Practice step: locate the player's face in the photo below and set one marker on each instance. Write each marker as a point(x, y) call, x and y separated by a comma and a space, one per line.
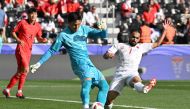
point(74, 26)
point(32, 16)
point(134, 38)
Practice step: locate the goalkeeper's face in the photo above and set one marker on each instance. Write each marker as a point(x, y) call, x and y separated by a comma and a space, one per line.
point(134, 38)
point(74, 26)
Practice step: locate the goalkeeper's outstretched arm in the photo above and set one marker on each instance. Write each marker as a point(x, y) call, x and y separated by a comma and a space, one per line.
point(54, 48)
point(42, 60)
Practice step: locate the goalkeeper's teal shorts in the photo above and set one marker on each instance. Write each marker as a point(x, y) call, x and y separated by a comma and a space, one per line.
point(89, 71)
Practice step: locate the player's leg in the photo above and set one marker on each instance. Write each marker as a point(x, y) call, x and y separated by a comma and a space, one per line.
point(150, 85)
point(11, 83)
point(100, 81)
point(116, 86)
point(25, 60)
point(85, 92)
point(103, 91)
point(136, 82)
point(22, 79)
point(14, 79)
point(112, 95)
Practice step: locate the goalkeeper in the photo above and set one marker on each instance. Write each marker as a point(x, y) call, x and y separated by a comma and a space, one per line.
point(74, 38)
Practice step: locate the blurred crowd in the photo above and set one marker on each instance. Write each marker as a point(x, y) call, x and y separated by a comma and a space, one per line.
point(147, 17)
point(143, 15)
point(52, 14)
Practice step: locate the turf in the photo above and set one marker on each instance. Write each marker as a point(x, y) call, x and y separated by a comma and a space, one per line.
point(59, 94)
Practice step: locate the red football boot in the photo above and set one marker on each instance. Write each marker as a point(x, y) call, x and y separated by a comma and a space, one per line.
point(6, 93)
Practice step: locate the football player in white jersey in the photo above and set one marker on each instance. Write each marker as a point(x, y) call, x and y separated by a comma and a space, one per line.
point(129, 55)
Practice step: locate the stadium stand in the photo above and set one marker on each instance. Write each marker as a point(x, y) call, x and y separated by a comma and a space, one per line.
point(109, 11)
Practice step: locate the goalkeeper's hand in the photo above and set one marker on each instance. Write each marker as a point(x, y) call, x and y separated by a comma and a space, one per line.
point(34, 67)
point(102, 25)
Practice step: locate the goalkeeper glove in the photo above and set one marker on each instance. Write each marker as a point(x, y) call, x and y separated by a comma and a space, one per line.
point(102, 25)
point(34, 67)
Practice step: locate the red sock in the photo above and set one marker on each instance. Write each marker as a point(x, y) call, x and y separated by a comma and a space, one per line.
point(13, 81)
point(22, 80)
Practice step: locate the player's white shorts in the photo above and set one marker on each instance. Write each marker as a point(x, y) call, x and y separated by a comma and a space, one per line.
point(122, 79)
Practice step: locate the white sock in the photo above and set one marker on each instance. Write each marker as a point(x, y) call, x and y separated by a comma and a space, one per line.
point(109, 106)
point(8, 90)
point(19, 91)
point(86, 106)
point(139, 87)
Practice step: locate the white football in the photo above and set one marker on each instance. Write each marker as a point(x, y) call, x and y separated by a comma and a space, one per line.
point(97, 105)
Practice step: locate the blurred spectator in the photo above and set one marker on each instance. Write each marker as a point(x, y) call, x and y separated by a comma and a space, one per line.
point(19, 3)
point(159, 16)
point(170, 33)
point(187, 31)
point(3, 21)
point(84, 15)
point(30, 4)
point(61, 21)
point(62, 13)
point(8, 1)
point(62, 6)
point(85, 4)
point(136, 23)
point(24, 16)
point(155, 34)
point(33, 3)
point(150, 11)
point(126, 10)
point(41, 5)
point(123, 35)
point(181, 38)
point(73, 6)
point(145, 33)
point(9, 4)
point(50, 8)
point(92, 17)
point(1, 39)
point(48, 29)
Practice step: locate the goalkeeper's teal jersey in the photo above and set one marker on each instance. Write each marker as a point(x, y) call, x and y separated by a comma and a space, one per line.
point(76, 46)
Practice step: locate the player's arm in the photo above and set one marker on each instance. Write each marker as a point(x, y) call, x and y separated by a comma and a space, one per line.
point(14, 35)
point(98, 33)
point(166, 24)
point(39, 36)
point(55, 47)
point(110, 53)
point(17, 39)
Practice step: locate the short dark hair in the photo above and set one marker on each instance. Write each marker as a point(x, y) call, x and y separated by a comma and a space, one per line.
point(72, 17)
point(31, 10)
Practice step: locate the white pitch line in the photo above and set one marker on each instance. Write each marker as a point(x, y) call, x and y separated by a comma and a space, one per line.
point(79, 102)
point(48, 86)
point(71, 101)
point(136, 107)
point(56, 86)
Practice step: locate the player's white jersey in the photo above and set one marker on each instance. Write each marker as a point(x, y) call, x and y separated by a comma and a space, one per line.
point(129, 57)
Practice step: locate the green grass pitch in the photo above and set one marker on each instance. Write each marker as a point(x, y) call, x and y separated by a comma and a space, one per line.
point(65, 94)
